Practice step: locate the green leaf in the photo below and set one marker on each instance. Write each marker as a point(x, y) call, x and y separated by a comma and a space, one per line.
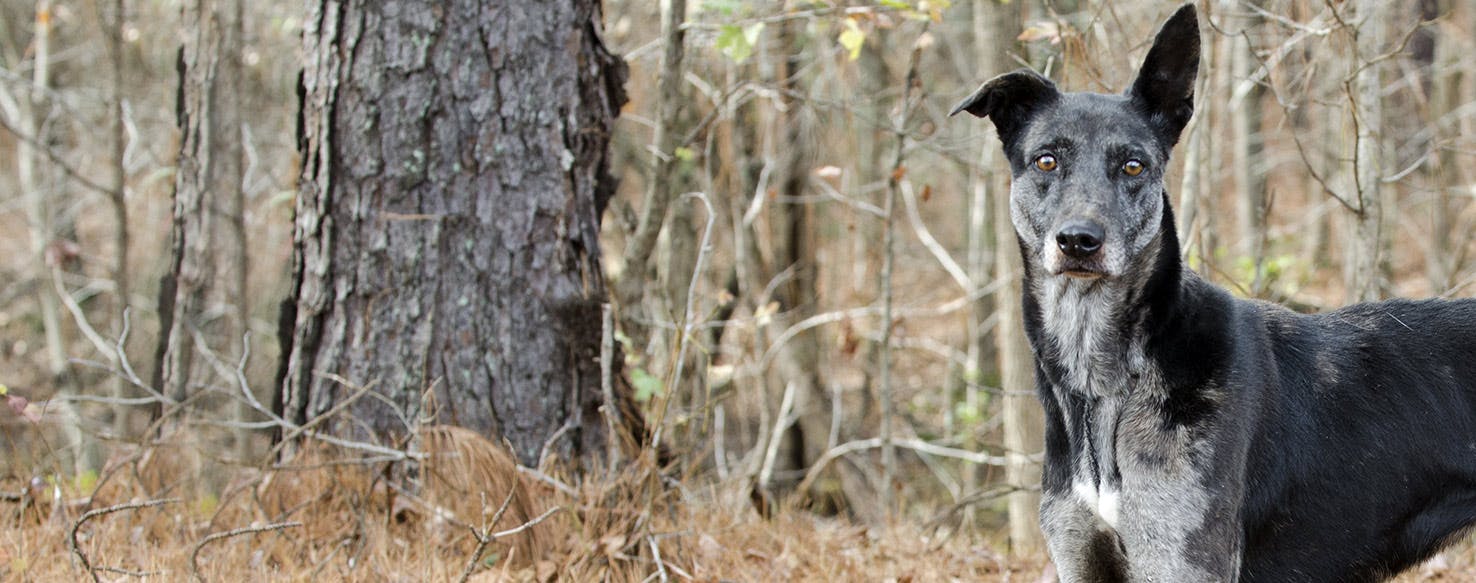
point(646, 385)
point(85, 482)
point(684, 154)
point(896, 4)
point(737, 42)
point(966, 414)
point(724, 7)
point(852, 38)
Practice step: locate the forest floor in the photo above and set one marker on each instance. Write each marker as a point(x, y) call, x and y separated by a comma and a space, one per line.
point(171, 514)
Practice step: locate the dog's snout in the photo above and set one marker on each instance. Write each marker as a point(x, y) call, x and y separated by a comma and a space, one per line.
point(1080, 239)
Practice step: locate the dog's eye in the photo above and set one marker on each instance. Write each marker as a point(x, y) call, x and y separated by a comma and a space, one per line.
point(1132, 168)
point(1046, 163)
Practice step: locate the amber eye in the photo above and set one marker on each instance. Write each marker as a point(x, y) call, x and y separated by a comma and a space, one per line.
point(1132, 168)
point(1046, 163)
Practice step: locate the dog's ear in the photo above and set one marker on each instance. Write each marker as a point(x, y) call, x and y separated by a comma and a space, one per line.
point(1009, 99)
point(1165, 85)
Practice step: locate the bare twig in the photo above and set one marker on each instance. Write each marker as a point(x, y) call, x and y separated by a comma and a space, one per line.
point(656, 554)
point(781, 423)
point(944, 258)
point(128, 573)
point(916, 445)
point(195, 555)
point(290, 430)
point(96, 512)
point(704, 251)
point(483, 539)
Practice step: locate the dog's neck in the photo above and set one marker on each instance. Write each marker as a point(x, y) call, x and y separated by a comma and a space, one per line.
point(1090, 335)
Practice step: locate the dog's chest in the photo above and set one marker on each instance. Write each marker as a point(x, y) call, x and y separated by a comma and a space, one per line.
point(1127, 466)
point(1088, 337)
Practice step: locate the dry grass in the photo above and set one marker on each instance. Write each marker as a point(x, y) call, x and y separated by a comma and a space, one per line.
point(384, 522)
point(320, 515)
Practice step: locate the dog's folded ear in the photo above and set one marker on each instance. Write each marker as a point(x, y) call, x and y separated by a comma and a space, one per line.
point(1009, 99)
point(1165, 85)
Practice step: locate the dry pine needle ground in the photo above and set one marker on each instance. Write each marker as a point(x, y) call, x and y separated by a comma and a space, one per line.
point(153, 516)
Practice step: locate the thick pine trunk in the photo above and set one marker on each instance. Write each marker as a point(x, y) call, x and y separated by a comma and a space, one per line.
point(446, 252)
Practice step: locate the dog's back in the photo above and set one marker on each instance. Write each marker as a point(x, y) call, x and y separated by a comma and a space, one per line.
point(1364, 459)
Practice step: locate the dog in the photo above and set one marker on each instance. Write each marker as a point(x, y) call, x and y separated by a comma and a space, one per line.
point(1194, 436)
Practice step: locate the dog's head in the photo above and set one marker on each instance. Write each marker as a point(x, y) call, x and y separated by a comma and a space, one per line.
point(1088, 192)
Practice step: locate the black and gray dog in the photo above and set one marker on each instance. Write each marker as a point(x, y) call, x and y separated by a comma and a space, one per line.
point(1193, 436)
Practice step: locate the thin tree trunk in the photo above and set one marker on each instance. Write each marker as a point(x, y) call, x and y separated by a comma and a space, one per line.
point(207, 261)
point(41, 214)
point(110, 21)
point(38, 206)
point(794, 246)
point(660, 188)
point(996, 25)
point(446, 251)
point(1368, 111)
point(1024, 426)
point(1446, 78)
point(1247, 160)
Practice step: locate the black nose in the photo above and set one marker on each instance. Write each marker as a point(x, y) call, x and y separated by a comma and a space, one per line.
point(1080, 239)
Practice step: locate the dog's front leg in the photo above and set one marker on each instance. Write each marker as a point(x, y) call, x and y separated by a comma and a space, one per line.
point(1082, 547)
point(1177, 526)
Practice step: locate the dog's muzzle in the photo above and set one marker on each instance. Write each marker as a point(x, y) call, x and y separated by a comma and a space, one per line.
point(1080, 243)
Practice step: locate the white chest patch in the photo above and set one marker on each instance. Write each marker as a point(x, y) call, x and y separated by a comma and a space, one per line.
point(1104, 501)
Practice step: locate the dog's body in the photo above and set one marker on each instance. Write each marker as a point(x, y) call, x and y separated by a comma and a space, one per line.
point(1193, 436)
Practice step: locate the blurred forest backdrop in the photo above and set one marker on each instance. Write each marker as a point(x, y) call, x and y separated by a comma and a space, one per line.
point(814, 320)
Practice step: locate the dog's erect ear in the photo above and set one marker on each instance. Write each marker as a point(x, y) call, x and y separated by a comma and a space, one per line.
point(1165, 84)
point(1009, 99)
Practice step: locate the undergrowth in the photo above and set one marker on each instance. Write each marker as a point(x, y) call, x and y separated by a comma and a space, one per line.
point(463, 509)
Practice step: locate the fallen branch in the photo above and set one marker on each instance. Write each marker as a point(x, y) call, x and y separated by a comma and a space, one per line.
point(90, 514)
point(484, 538)
point(195, 555)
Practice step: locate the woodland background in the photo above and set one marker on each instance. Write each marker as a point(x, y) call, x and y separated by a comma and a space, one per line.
point(812, 364)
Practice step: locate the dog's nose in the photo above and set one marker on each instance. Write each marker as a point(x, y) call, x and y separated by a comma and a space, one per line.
point(1080, 239)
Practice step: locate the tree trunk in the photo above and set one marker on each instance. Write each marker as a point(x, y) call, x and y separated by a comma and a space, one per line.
point(1024, 427)
point(446, 251)
point(207, 251)
point(29, 111)
point(1368, 244)
point(111, 18)
point(1247, 161)
point(799, 364)
point(1445, 79)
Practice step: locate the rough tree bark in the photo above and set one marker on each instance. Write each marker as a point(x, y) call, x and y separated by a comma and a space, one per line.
point(207, 263)
point(446, 251)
